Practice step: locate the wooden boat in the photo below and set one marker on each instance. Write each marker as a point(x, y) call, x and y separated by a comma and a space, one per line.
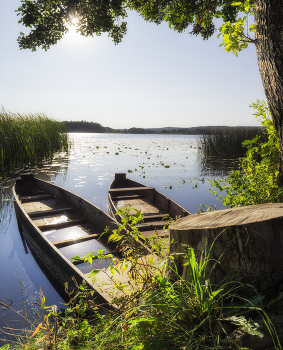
point(60, 225)
point(154, 205)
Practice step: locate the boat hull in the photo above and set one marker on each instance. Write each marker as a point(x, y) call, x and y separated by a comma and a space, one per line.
point(153, 204)
point(52, 256)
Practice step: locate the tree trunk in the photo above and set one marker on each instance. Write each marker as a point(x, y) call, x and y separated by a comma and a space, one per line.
point(247, 243)
point(269, 47)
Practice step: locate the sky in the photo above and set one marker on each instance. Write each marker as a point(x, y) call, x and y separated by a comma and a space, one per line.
point(155, 78)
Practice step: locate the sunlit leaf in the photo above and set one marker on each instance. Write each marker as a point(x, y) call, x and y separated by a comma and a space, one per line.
point(37, 329)
point(39, 340)
point(94, 272)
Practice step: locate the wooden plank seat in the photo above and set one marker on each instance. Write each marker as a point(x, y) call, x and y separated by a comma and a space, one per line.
point(35, 197)
point(61, 225)
point(154, 217)
point(154, 225)
point(129, 197)
point(131, 189)
point(35, 214)
point(67, 242)
point(160, 233)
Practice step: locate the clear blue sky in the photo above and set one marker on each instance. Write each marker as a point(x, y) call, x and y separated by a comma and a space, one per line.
point(154, 78)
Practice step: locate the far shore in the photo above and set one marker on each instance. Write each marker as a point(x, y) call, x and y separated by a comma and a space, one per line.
point(91, 127)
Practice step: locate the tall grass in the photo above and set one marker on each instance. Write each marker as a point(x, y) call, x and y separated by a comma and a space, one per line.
point(226, 142)
point(171, 313)
point(26, 139)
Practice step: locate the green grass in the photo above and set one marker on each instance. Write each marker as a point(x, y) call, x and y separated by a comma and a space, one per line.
point(174, 314)
point(27, 139)
point(170, 313)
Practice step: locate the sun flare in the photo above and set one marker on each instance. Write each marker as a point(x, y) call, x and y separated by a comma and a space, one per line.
point(72, 29)
point(73, 36)
point(74, 21)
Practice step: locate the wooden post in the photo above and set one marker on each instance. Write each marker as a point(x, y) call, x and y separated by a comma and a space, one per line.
point(247, 240)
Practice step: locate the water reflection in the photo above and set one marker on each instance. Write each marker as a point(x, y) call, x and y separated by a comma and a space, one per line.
point(216, 167)
point(5, 206)
point(167, 162)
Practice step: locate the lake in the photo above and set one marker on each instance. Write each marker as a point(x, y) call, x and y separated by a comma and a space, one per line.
point(167, 162)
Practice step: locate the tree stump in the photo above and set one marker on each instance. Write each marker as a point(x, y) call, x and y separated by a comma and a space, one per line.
point(247, 240)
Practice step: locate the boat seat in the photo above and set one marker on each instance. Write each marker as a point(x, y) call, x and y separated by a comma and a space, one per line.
point(61, 225)
point(148, 217)
point(160, 233)
point(128, 197)
point(35, 197)
point(51, 212)
point(154, 225)
point(131, 189)
point(67, 242)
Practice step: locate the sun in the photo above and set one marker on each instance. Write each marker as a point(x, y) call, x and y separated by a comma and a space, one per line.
point(73, 36)
point(74, 21)
point(72, 29)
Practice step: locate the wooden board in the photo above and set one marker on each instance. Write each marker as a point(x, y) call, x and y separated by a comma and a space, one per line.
point(230, 217)
point(51, 212)
point(43, 205)
point(144, 205)
point(130, 189)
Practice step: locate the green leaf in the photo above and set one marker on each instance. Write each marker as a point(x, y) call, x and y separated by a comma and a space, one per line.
point(249, 327)
point(94, 272)
point(138, 347)
point(77, 257)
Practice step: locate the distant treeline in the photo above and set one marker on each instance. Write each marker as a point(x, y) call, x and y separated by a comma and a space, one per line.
point(91, 127)
point(84, 126)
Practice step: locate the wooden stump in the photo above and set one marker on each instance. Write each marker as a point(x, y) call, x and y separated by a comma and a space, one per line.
point(250, 239)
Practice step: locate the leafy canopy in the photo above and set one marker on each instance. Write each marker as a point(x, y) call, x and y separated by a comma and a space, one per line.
point(48, 20)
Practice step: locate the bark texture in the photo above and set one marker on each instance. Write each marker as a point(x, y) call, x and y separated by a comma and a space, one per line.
point(247, 243)
point(269, 47)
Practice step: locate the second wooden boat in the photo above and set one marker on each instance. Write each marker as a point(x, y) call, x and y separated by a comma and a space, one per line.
point(154, 205)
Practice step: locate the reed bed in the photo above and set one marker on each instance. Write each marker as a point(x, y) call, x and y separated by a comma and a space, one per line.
point(28, 139)
point(226, 142)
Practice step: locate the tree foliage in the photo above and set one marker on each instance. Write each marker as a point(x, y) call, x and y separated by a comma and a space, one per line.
point(48, 20)
point(255, 182)
point(236, 34)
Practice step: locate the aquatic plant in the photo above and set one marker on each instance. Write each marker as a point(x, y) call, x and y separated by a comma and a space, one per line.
point(226, 142)
point(27, 139)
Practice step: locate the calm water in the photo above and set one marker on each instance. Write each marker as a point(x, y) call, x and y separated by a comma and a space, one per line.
point(167, 162)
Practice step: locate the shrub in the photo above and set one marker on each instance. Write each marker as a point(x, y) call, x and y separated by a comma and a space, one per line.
point(255, 181)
